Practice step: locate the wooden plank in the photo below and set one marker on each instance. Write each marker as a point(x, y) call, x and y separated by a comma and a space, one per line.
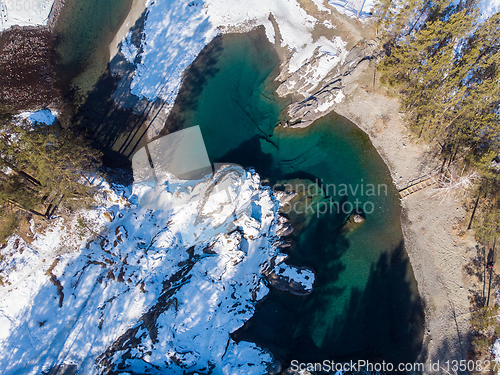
point(417, 187)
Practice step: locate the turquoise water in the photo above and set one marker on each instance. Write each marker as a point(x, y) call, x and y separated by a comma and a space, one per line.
point(365, 304)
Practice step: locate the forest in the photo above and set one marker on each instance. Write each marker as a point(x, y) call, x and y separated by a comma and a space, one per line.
point(442, 62)
point(42, 167)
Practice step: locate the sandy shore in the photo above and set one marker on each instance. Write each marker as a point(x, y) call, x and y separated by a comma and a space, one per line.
point(54, 13)
point(136, 10)
point(436, 253)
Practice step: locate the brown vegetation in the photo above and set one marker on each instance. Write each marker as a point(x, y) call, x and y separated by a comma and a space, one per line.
point(27, 78)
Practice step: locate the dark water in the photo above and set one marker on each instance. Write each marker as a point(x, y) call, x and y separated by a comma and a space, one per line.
point(365, 303)
point(84, 30)
point(83, 33)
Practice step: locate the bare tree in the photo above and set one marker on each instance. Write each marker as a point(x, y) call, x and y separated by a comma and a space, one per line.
point(455, 183)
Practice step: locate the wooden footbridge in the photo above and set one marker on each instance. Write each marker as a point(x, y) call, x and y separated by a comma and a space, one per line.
point(417, 186)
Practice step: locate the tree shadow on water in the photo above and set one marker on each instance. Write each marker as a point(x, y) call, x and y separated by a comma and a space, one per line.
point(197, 75)
point(106, 123)
point(283, 322)
point(383, 322)
point(386, 320)
point(118, 121)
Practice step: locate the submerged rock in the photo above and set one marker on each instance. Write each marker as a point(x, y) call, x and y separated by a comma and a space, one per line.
point(357, 218)
point(354, 221)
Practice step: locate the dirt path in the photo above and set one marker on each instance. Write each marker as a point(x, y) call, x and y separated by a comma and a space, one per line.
point(436, 252)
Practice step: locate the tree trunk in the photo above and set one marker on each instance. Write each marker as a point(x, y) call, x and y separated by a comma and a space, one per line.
point(474, 210)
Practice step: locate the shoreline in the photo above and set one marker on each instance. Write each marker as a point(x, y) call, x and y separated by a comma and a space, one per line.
point(436, 253)
point(54, 14)
point(136, 10)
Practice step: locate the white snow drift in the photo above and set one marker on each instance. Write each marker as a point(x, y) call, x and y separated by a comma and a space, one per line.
point(149, 291)
point(176, 31)
point(24, 12)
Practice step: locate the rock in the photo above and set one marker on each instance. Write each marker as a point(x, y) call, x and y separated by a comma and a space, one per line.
point(354, 221)
point(292, 371)
point(295, 280)
point(109, 215)
point(285, 230)
point(284, 196)
point(274, 368)
point(358, 218)
point(323, 101)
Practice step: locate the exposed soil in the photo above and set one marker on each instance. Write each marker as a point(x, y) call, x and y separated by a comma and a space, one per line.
point(27, 78)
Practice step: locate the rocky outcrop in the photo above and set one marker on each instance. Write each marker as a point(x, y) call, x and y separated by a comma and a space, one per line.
point(304, 80)
point(353, 222)
point(303, 113)
point(295, 280)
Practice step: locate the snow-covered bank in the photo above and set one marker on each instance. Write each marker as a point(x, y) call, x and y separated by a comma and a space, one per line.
point(150, 291)
point(489, 8)
point(24, 13)
point(176, 31)
point(361, 9)
point(496, 352)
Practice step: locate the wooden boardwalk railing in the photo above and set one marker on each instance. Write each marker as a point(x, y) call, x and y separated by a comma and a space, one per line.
point(418, 186)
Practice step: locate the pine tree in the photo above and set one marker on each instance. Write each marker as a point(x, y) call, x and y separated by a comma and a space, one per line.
point(446, 70)
point(37, 162)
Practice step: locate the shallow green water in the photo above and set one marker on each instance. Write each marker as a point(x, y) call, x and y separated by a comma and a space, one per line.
point(365, 304)
point(84, 30)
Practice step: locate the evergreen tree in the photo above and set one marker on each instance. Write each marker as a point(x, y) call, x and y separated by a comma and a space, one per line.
point(37, 162)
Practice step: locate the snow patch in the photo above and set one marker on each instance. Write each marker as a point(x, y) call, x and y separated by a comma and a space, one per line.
point(43, 116)
point(489, 8)
point(325, 106)
point(351, 8)
point(339, 97)
point(496, 352)
point(24, 13)
point(128, 49)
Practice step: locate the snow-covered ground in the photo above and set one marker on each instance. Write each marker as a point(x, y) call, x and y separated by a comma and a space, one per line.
point(24, 12)
point(496, 352)
point(151, 291)
point(43, 116)
point(489, 7)
point(360, 9)
point(176, 31)
point(352, 7)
